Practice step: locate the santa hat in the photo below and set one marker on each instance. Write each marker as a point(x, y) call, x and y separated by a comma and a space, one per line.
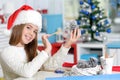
point(24, 14)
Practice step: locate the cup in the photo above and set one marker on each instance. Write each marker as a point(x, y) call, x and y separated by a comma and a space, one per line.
point(107, 64)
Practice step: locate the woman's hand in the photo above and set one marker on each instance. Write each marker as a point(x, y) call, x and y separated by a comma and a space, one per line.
point(74, 36)
point(47, 44)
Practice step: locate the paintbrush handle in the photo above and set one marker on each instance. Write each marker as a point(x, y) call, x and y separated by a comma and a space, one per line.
point(57, 32)
point(53, 34)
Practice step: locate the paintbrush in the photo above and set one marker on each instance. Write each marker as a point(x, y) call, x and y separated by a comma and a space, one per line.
point(57, 32)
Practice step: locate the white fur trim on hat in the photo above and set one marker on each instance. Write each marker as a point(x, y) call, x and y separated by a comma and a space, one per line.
point(29, 16)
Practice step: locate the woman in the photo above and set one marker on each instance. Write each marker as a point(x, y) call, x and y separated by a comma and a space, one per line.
point(21, 58)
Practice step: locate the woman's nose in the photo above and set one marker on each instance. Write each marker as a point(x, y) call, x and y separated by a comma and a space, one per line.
point(31, 33)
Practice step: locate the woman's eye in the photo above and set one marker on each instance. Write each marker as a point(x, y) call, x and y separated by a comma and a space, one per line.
point(35, 32)
point(28, 27)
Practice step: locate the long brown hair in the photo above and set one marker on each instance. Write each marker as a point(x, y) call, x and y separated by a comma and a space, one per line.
point(15, 38)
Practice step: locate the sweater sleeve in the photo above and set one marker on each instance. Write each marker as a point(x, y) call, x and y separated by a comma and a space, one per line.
point(57, 59)
point(13, 64)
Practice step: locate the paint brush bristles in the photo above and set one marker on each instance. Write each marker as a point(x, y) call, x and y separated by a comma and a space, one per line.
point(57, 32)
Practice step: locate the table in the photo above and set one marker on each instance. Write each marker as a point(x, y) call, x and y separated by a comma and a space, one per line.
point(97, 77)
point(46, 75)
point(41, 75)
point(49, 75)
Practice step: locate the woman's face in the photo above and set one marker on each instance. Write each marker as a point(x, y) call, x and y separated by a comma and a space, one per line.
point(28, 34)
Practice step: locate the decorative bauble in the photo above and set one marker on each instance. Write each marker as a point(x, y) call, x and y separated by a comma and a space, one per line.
point(99, 24)
point(88, 21)
point(93, 17)
point(89, 10)
point(93, 7)
point(89, 38)
point(89, 1)
point(85, 5)
point(101, 16)
point(94, 28)
point(104, 38)
point(82, 18)
point(97, 15)
point(106, 22)
point(83, 23)
point(83, 38)
point(66, 33)
point(97, 33)
point(101, 35)
point(102, 23)
point(78, 22)
point(108, 30)
point(83, 31)
point(81, 2)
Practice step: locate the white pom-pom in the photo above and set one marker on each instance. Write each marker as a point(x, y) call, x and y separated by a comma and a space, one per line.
point(6, 32)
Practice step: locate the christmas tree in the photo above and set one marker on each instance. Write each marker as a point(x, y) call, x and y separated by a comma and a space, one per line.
point(92, 20)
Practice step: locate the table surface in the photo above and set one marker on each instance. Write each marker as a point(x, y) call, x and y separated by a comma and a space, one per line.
point(48, 75)
point(97, 77)
point(41, 75)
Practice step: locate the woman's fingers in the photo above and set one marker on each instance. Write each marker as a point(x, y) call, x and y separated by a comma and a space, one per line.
point(45, 39)
point(78, 33)
point(46, 43)
point(75, 34)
